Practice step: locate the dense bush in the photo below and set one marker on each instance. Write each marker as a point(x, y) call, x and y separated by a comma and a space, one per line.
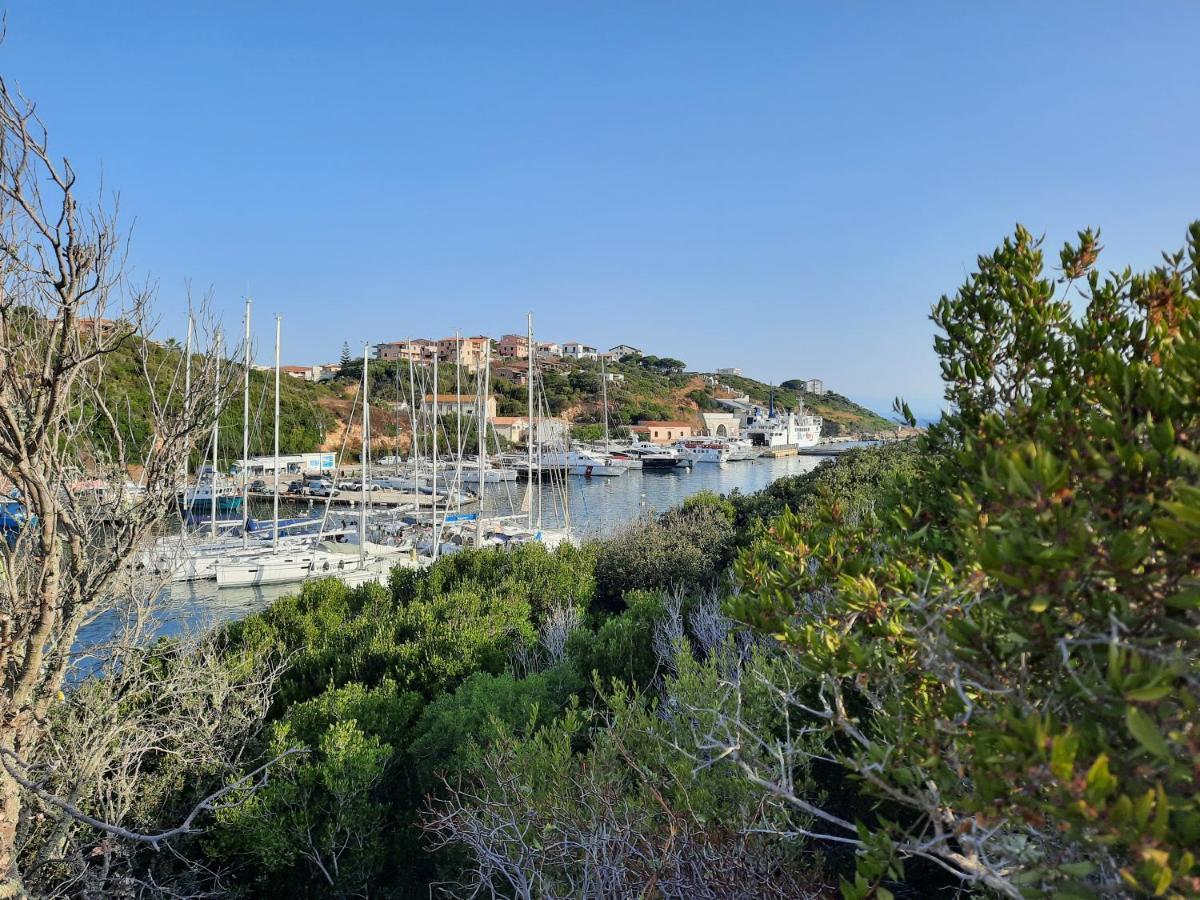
point(685, 546)
point(855, 482)
point(1006, 651)
point(634, 812)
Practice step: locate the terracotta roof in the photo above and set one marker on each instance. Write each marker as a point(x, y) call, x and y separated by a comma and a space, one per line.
point(662, 425)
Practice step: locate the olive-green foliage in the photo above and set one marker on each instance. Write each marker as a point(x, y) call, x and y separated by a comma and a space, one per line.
point(622, 647)
point(630, 804)
point(325, 810)
point(591, 432)
point(529, 573)
point(455, 726)
point(364, 663)
point(684, 546)
point(854, 482)
point(1022, 616)
point(302, 422)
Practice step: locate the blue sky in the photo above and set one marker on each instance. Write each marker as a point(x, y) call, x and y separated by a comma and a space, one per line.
point(781, 187)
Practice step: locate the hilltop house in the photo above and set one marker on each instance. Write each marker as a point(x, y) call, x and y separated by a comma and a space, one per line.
point(513, 346)
point(464, 351)
point(548, 350)
point(622, 351)
point(730, 370)
point(448, 403)
point(662, 432)
point(417, 351)
point(814, 386)
point(576, 350)
point(322, 372)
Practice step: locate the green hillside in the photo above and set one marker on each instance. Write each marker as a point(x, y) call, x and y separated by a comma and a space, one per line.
point(650, 388)
point(314, 416)
point(304, 409)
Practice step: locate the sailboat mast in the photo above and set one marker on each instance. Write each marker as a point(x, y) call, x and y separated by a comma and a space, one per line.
point(434, 456)
point(275, 491)
point(187, 394)
point(529, 431)
point(481, 419)
point(364, 463)
point(458, 423)
point(246, 431)
point(604, 393)
point(216, 436)
point(414, 456)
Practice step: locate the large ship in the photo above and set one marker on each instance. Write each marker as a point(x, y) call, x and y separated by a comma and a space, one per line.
point(789, 428)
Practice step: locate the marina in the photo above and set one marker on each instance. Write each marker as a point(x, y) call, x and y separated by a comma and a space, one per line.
point(598, 506)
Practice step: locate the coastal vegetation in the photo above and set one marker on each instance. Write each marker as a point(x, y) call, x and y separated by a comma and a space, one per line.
point(964, 664)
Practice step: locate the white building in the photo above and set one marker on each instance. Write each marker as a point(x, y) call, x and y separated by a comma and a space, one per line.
point(449, 403)
point(295, 464)
point(722, 424)
point(614, 377)
point(576, 350)
point(814, 386)
point(515, 428)
point(729, 371)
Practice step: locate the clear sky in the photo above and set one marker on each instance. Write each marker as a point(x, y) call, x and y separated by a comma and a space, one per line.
point(781, 187)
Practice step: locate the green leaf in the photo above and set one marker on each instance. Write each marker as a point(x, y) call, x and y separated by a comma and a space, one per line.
point(1189, 598)
point(1148, 693)
point(1062, 755)
point(1142, 727)
point(1100, 782)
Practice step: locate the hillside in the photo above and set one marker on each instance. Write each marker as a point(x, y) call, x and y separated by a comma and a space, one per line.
point(314, 416)
point(648, 388)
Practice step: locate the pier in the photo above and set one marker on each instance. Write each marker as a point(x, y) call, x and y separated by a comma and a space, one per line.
point(383, 499)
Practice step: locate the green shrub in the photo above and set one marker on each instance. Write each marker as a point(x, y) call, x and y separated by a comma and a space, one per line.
point(687, 546)
point(456, 726)
point(622, 647)
point(1006, 651)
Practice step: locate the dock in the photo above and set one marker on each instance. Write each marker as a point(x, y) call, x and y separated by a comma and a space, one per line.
point(818, 450)
point(383, 499)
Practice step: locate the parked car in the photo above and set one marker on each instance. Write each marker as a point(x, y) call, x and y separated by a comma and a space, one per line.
point(321, 488)
point(296, 487)
point(258, 486)
point(354, 486)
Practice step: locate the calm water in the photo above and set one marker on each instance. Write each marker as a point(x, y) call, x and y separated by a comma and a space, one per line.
point(597, 506)
point(600, 505)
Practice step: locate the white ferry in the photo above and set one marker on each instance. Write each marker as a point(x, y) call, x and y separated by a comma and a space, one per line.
point(704, 450)
point(787, 429)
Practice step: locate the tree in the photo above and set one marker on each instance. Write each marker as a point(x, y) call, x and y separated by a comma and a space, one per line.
point(1002, 655)
point(66, 308)
point(345, 360)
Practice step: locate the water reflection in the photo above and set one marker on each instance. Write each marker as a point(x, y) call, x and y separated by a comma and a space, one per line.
point(597, 506)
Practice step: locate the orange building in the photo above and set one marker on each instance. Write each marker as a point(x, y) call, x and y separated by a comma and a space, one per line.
point(663, 432)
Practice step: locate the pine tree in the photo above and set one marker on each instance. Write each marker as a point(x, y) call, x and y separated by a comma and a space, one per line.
point(345, 354)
